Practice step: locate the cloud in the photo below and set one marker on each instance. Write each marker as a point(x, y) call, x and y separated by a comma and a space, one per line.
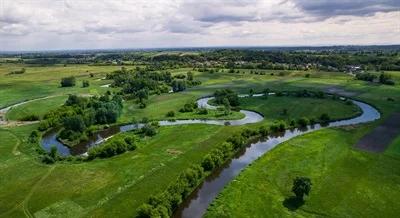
point(328, 8)
point(49, 24)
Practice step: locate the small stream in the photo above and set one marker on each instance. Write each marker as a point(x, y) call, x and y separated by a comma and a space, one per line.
point(50, 138)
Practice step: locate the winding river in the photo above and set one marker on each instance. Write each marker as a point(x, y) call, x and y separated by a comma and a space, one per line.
point(197, 203)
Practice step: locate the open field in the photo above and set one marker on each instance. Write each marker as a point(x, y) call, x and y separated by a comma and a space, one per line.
point(117, 186)
point(345, 181)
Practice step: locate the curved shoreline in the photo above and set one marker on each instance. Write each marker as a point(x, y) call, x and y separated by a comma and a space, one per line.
point(197, 203)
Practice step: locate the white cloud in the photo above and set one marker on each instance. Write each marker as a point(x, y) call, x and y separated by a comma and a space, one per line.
point(70, 24)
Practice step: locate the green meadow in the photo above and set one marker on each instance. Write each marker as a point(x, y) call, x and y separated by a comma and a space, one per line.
point(346, 181)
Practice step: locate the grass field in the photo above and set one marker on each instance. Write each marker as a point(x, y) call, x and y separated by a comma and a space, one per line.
point(272, 108)
point(118, 185)
point(346, 182)
point(39, 107)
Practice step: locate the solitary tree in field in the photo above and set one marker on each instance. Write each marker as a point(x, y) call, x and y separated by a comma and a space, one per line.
point(301, 187)
point(251, 92)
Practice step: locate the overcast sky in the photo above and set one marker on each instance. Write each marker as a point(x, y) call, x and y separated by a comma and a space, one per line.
point(87, 24)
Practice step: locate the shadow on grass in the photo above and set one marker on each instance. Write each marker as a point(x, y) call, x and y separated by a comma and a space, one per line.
point(293, 203)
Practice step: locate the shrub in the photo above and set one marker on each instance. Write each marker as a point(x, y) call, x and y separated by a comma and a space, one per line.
point(68, 81)
point(324, 118)
point(22, 71)
point(303, 122)
point(47, 159)
point(148, 130)
point(202, 111)
point(263, 131)
point(170, 114)
point(188, 107)
point(208, 163)
point(34, 137)
point(247, 133)
point(31, 117)
point(85, 83)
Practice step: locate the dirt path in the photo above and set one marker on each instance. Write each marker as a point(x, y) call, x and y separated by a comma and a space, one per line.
point(381, 137)
point(10, 123)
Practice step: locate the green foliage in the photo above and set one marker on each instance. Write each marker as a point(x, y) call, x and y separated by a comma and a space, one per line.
point(31, 117)
point(149, 130)
point(386, 79)
point(324, 118)
point(301, 186)
point(226, 95)
point(303, 122)
point(33, 137)
point(365, 76)
point(178, 85)
point(202, 111)
point(170, 114)
point(85, 83)
point(68, 81)
point(112, 147)
point(188, 107)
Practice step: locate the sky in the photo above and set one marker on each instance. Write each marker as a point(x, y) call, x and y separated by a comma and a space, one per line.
point(86, 24)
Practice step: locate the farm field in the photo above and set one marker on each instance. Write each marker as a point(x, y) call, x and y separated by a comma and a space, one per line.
point(345, 179)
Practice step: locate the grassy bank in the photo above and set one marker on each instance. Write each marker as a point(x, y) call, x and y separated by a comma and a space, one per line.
point(346, 182)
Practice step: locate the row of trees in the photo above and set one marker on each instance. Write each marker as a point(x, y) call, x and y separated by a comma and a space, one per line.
point(383, 78)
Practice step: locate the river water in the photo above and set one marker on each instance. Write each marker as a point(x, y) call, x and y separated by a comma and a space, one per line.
point(197, 203)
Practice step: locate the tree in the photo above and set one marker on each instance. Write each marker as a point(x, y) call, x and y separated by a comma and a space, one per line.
point(301, 187)
point(68, 81)
point(266, 92)
point(178, 85)
point(74, 123)
point(189, 76)
point(232, 97)
point(142, 95)
point(251, 92)
point(171, 114)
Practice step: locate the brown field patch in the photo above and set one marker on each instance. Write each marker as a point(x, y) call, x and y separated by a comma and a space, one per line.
point(382, 135)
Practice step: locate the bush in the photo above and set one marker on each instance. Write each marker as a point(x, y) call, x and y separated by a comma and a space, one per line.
point(85, 83)
point(68, 81)
point(202, 111)
point(31, 117)
point(148, 130)
point(188, 107)
point(324, 118)
point(47, 159)
point(390, 99)
point(303, 122)
point(170, 114)
point(33, 137)
point(112, 147)
point(263, 131)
